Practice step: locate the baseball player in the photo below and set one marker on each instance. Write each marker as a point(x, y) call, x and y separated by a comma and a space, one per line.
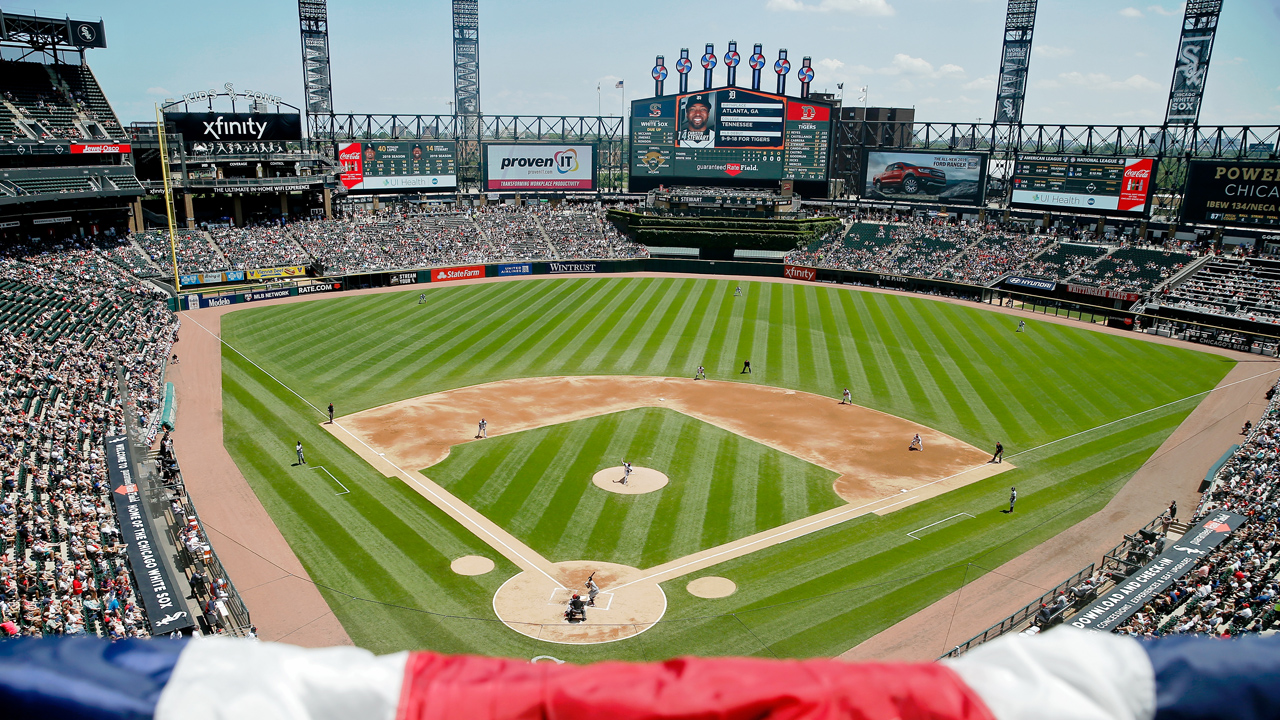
point(846, 398)
point(998, 455)
point(483, 430)
point(701, 374)
point(330, 413)
point(422, 298)
point(1022, 324)
point(301, 460)
point(626, 472)
point(738, 292)
point(1013, 497)
point(592, 590)
point(916, 443)
point(746, 367)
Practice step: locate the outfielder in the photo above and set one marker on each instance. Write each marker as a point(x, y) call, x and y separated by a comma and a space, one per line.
point(916, 443)
point(301, 460)
point(738, 292)
point(1013, 497)
point(1022, 324)
point(846, 398)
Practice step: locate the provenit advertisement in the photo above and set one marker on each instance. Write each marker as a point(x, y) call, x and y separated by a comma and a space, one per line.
point(539, 166)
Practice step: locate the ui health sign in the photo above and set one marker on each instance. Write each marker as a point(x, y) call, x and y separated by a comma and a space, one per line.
point(539, 166)
point(1179, 558)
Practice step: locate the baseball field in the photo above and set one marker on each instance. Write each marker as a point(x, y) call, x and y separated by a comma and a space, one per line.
point(575, 375)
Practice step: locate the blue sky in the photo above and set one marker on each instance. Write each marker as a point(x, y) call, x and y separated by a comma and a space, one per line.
point(1094, 61)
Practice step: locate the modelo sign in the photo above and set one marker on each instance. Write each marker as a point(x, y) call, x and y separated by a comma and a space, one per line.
point(235, 127)
point(799, 273)
point(457, 273)
point(539, 167)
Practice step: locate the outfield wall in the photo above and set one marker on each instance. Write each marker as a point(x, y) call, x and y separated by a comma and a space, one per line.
point(1058, 300)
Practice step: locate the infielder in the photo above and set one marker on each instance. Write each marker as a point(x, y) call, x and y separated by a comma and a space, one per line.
point(483, 430)
point(701, 374)
point(916, 443)
point(626, 472)
point(846, 398)
point(301, 460)
point(592, 591)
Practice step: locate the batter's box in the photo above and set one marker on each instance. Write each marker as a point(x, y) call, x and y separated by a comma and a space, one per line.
point(561, 596)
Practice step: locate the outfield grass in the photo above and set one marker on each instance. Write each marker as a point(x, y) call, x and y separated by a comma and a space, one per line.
point(723, 487)
point(384, 550)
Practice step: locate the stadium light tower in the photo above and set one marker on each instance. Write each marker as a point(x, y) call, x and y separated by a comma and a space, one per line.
point(1015, 59)
point(466, 84)
point(313, 15)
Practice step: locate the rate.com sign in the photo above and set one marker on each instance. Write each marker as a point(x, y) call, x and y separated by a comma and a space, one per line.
point(530, 166)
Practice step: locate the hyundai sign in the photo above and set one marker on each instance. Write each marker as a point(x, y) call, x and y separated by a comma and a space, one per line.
point(530, 166)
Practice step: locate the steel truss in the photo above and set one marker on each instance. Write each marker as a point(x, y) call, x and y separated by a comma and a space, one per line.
point(1172, 145)
point(606, 133)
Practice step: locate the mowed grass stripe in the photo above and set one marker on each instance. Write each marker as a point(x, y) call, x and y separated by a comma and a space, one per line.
point(1068, 378)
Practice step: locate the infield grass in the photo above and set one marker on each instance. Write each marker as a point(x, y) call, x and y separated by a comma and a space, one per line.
point(537, 485)
point(382, 552)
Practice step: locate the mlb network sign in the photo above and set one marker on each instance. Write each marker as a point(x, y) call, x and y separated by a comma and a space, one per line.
point(539, 167)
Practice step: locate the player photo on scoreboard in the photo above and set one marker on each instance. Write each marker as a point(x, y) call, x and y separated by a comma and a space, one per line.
point(695, 121)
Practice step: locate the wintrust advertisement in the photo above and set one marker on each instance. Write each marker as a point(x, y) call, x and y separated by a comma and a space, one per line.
point(539, 167)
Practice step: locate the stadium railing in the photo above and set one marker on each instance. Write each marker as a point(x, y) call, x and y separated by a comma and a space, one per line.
point(1112, 569)
point(1022, 617)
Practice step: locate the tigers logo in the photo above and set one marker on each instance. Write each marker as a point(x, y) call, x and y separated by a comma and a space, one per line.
point(653, 160)
point(655, 110)
point(807, 112)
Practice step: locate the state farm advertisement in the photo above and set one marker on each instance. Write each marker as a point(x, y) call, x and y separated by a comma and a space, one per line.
point(102, 149)
point(539, 167)
point(457, 273)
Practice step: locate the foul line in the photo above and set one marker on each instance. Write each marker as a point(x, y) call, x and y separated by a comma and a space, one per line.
point(405, 475)
point(326, 472)
point(847, 514)
point(926, 527)
point(831, 521)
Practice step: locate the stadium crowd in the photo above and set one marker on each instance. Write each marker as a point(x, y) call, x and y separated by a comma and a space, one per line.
point(1235, 588)
point(981, 254)
point(69, 316)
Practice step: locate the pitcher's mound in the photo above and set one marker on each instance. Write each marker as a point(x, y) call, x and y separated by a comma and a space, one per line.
point(471, 565)
point(643, 480)
point(711, 587)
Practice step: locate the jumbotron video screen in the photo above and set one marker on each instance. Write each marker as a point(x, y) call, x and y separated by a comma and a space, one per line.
point(730, 133)
point(399, 165)
point(1089, 183)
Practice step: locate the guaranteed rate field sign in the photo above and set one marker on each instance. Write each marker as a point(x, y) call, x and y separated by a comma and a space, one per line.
point(539, 166)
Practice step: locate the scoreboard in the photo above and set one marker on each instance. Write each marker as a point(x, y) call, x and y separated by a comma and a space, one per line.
point(399, 165)
point(730, 133)
point(1090, 183)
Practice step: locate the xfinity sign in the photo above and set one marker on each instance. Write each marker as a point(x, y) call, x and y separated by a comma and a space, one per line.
point(539, 166)
point(235, 127)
